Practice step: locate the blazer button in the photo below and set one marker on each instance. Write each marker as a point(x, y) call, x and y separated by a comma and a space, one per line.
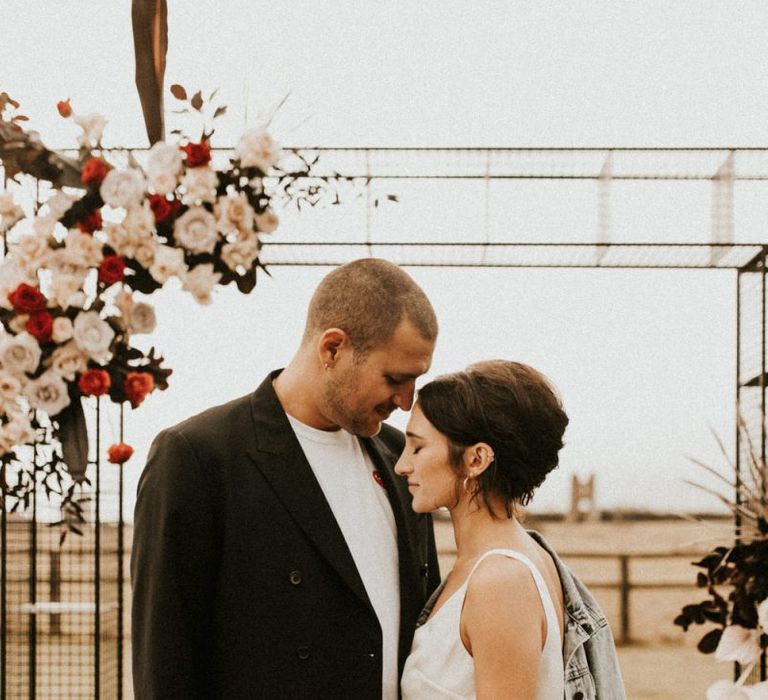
point(303, 653)
point(295, 577)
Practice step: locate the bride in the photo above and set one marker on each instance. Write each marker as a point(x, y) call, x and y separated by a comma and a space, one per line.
point(510, 620)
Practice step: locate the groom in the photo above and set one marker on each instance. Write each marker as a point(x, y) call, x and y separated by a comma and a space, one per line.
point(275, 552)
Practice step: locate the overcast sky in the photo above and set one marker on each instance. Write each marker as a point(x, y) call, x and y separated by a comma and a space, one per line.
point(644, 360)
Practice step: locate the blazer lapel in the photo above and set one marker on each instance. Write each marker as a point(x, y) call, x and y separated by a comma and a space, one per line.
point(276, 452)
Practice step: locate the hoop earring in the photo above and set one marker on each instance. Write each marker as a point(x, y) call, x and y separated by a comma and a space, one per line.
point(464, 484)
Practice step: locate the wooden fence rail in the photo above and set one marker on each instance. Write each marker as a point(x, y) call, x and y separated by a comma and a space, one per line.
point(625, 583)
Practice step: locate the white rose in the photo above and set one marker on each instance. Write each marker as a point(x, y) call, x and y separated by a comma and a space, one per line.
point(267, 221)
point(242, 253)
point(77, 300)
point(62, 329)
point(48, 393)
point(18, 323)
point(168, 262)
point(93, 334)
point(19, 353)
point(200, 281)
point(762, 615)
point(31, 252)
point(10, 278)
point(122, 188)
point(69, 360)
point(200, 184)
point(60, 204)
point(10, 386)
point(124, 302)
point(234, 213)
point(10, 212)
point(139, 219)
point(93, 128)
point(145, 252)
point(727, 690)
point(85, 248)
point(68, 262)
point(65, 289)
point(18, 430)
point(44, 225)
point(164, 159)
point(738, 644)
point(141, 318)
point(196, 231)
point(163, 183)
point(257, 149)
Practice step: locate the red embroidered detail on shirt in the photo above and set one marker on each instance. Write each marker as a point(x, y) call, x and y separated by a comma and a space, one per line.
point(377, 478)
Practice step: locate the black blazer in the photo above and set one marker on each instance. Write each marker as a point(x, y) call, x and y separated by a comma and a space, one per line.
point(243, 585)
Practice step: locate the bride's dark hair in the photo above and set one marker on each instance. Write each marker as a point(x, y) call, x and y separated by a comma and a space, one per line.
point(514, 409)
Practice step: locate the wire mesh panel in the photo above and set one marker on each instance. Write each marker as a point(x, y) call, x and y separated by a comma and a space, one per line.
point(62, 636)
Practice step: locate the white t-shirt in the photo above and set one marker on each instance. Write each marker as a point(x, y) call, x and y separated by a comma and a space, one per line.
point(359, 503)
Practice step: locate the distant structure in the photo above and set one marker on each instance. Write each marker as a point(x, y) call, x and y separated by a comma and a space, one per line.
point(582, 499)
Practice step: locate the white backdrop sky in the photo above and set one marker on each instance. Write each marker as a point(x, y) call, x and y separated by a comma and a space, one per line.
point(644, 360)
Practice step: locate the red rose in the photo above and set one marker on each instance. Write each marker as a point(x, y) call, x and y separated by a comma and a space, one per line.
point(92, 222)
point(65, 109)
point(162, 208)
point(94, 172)
point(197, 153)
point(94, 382)
point(137, 386)
point(111, 269)
point(27, 299)
point(40, 326)
point(119, 453)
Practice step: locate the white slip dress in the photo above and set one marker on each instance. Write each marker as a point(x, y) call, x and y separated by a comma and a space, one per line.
point(439, 666)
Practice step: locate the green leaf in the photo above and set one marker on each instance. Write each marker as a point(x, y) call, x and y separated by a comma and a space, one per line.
point(178, 92)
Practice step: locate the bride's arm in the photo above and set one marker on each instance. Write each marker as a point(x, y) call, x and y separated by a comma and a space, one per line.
point(503, 626)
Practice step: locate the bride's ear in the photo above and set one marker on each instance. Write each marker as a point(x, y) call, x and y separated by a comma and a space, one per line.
point(477, 459)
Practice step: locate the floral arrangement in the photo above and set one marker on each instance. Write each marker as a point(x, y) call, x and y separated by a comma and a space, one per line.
point(736, 581)
point(68, 283)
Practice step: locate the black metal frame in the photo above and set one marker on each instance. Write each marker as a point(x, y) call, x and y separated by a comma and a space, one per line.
point(747, 260)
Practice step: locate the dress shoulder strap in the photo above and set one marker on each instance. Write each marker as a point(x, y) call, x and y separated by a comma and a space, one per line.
point(546, 599)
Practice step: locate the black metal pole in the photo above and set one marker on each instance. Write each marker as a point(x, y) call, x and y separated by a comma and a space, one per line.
point(120, 572)
point(762, 409)
point(33, 582)
point(3, 582)
point(97, 560)
point(737, 496)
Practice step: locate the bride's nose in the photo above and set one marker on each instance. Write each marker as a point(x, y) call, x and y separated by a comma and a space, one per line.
point(402, 467)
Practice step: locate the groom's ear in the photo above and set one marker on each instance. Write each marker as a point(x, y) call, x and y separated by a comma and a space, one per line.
point(329, 345)
point(477, 459)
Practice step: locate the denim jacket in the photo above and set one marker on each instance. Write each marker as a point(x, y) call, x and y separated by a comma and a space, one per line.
point(591, 664)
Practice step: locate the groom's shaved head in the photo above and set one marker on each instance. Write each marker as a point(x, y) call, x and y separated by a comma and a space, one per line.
point(368, 299)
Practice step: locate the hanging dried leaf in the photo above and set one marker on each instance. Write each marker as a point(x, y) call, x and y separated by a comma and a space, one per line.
point(219, 111)
point(178, 92)
point(709, 641)
point(197, 100)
